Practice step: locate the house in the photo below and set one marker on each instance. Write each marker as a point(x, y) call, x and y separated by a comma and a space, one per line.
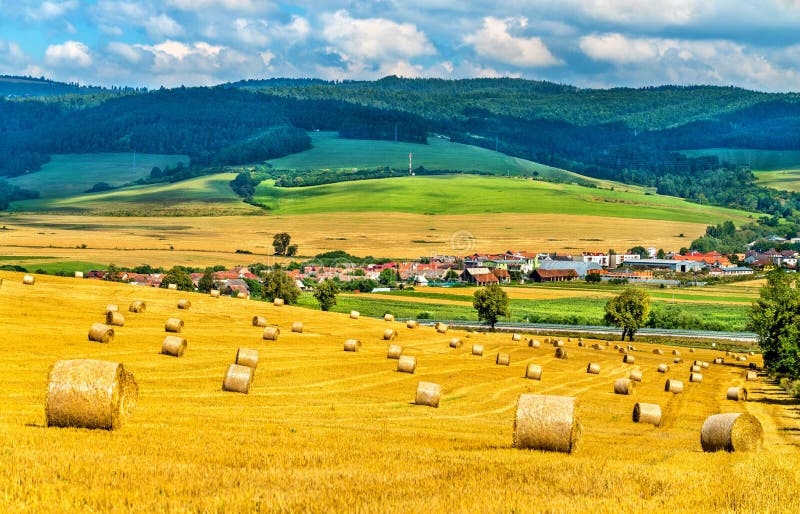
point(731, 271)
point(668, 264)
point(236, 287)
point(479, 276)
point(581, 268)
point(503, 276)
point(715, 259)
point(555, 275)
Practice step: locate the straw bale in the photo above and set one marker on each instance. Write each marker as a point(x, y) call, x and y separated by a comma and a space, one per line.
point(751, 376)
point(658, 351)
point(623, 351)
point(558, 344)
point(412, 323)
point(174, 346)
point(88, 393)
point(502, 359)
point(28, 280)
point(533, 371)
point(297, 326)
point(246, 357)
point(214, 293)
point(631, 348)
point(545, 422)
point(428, 394)
point(101, 333)
point(598, 346)
point(719, 360)
point(477, 349)
point(616, 346)
point(238, 379)
point(388, 317)
point(173, 287)
point(673, 386)
point(629, 359)
point(173, 325)
point(389, 335)
point(635, 375)
point(78, 274)
point(736, 394)
point(352, 345)
point(676, 352)
point(516, 337)
point(734, 432)
point(259, 321)
point(115, 318)
point(534, 343)
point(741, 358)
point(623, 386)
point(137, 306)
point(647, 413)
point(580, 344)
point(354, 314)
point(406, 364)
point(663, 368)
point(271, 333)
point(677, 360)
point(695, 377)
point(456, 343)
point(395, 351)
point(593, 368)
point(561, 353)
point(704, 364)
point(691, 350)
point(695, 369)
point(277, 302)
point(441, 328)
point(112, 307)
point(184, 304)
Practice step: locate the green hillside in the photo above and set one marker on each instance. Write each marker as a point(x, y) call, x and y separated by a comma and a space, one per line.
point(760, 160)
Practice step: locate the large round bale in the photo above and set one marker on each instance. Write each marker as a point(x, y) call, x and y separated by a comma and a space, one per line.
point(704, 364)
point(456, 343)
point(580, 344)
point(115, 318)
point(477, 349)
point(734, 432)
point(663, 368)
point(173, 325)
point(388, 317)
point(28, 280)
point(719, 360)
point(503, 359)
point(741, 358)
point(277, 302)
point(635, 375)
point(101, 333)
point(259, 321)
point(354, 314)
point(238, 379)
point(137, 306)
point(407, 364)
point(598, 346)
point(697, 363)
point(647, 413)
point(676, 352)
point(691, 350)
point(623, 351)
point(352, 345)
point(441, 328)
point(545, 422)
point(184, 304)
point(172, 287)
point(516, 337)
point(658, 351)
point(214, 293)
point(246, 357)
point(695, 369)
point(629, 359)
point(428, 394)
point(677, 360)
point(88, 393)
point(727, 353)
point(695, 377)
point(389, 335)
point(395, 351)
point(78, 274)
point(623, 386)
point(561, 353)
point(736, 394)
point(631, 348)
point(412, 323)
point(558, 344)
point(297, 326)
point(534, 343)
point(174, 346)
point(750, 376)
point(673, 386)
point(271, 333)
point(593, 368)
point(533, 371)
point(112, 307)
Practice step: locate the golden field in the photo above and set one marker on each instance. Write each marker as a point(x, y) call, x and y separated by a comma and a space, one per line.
point(323, 430)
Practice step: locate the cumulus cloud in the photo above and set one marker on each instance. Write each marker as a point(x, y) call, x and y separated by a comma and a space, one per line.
point(495, 41)
point(162, 26)
point(50, 10)
point(69, 53)
point(11, 53)
point(646, 12)
point(228, 5)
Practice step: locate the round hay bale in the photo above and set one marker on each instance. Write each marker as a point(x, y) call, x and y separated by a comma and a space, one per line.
point(246, 357)
point(616, 346)
point(259, 321)
point(184, 304)
point(677, 360)
point(691, 350)
point(137, 306)
point(101, 333)
point(673, 386)
point(569, 339)
point(87, 393)
point(697, 363)
point(174, 346)
point(727, 353)
point(395, 351)
point(750, 376)
point(695, 369)
point(593, 368)
point(456, 343)
point(695, 377)
point(635, 375)
point(658, 351)
point(599, 347)
point(115, 318)
point(406, 364)
point(629, 359)
point(558, 344)
point(561, 353)
point(545, 422)
point(112, 307)
point(238, 379)
point(663, 368)
point(277, 302)
point(534, 343)
point(354, 314)
point(78, 274)
point(428, 394)
point(751, 353)
point(533, 371)
point(719, 360)
point(441, 328)
point(623, 351)
point(734, 432)
point(741, 358)
point(704, 364)
point(477, 349)
point(546, 340)
point(389, 335)
point(502, 359)
point(647, 413)
point(736, 394)
point(676, 352)
point(580, 344)
point(412, 323)
point(631, 348)
point(352, 345)
point(173, 325)
point(28, 280)
point(297, 326)
point(388, 317)
point(271, 333)
point(214, 293)
point(173, 287)
point(623, 386)
point(516, 337)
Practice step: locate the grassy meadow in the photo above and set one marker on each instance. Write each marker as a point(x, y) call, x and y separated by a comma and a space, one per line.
point(778, 169)
point(323, 430)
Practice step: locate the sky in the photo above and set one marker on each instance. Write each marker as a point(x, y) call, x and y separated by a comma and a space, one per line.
point(587, 43)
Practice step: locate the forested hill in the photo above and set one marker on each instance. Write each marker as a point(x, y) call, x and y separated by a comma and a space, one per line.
point(14, 86)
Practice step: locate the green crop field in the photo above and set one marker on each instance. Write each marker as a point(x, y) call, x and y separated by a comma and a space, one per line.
point(761, 160)
point(72, 174)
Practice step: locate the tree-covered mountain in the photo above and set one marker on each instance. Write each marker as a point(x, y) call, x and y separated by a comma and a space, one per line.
point(15, 86)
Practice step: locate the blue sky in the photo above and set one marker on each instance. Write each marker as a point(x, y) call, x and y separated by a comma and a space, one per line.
point(588, 43)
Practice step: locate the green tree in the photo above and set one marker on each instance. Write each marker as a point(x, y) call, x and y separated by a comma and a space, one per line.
point(178, 276)
point(451, 275)
point(387, 277)
point(491, 302)
point(661, 254)
point(280, 285)
point(281, 242)
point(325, 294)
point(775, 317)
point(594, 278)
point(630, 310)
point(641, 251)
point(206, 282)
point(291, 250)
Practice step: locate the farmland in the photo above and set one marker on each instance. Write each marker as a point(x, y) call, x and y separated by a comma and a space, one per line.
point(778, 169)
point(324, 430)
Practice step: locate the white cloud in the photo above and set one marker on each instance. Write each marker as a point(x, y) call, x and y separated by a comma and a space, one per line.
point(50, 10)
point(69, 53)
point(621, 49)
point(11, 53)
point(128, 53)
point(494, 41)
point(162, 26)
point(645, 12)
point(228, 5)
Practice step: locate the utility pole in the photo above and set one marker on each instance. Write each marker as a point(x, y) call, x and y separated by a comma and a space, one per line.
point(409, 164)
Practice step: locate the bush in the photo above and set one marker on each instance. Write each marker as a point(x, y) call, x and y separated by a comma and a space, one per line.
point(424, 315)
